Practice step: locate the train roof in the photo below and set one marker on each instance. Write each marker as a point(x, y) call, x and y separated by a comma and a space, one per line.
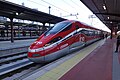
point(87, 26)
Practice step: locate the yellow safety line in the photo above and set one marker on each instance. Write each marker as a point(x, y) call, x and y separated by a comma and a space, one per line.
point(63, 68)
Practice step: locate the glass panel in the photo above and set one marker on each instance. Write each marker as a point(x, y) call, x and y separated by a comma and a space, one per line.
point(57, 28)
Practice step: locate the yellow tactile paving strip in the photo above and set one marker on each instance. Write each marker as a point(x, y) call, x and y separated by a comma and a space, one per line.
point(63, 68)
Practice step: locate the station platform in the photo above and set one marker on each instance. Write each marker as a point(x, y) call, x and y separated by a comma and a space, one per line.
point(94, 62)
point(19, 46)
point(4, 45)
point(18, 38)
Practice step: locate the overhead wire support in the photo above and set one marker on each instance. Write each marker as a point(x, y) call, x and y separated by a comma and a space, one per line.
point(75, 3)
point(73, 8)
point(55, 6)
point(72, 15)
point(37, 3)
point(69, 4)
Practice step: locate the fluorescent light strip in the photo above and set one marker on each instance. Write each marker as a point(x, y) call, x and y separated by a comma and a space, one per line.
point(104, 7)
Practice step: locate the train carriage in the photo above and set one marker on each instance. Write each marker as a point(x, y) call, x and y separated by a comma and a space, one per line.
point(63, 38)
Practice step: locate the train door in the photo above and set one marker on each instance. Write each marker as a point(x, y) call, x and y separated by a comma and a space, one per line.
point(75, 39)
point(82, 38)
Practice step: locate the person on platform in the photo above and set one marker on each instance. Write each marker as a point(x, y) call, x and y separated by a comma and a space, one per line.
point(118, 43)
point(106, 36)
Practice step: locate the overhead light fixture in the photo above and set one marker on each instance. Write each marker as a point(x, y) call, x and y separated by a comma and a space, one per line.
point(108, 17)
point(17, 13)
point(104, 7)
point(111, 22)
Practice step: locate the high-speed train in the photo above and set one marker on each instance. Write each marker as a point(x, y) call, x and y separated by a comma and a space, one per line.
point(61, 39)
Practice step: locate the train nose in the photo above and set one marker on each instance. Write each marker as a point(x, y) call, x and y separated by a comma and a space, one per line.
point(36, 52)
point(36, 55)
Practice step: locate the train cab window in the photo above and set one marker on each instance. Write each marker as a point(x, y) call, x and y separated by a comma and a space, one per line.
point(57, 27)
point(67, 28)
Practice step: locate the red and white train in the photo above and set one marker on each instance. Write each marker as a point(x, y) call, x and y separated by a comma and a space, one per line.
point(64, 37)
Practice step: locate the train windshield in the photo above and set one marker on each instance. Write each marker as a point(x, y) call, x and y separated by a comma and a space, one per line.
point(57, 28)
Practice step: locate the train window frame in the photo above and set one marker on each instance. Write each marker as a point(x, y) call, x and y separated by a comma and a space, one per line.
point(84, 32)
point(54, 29)
point(67, 28)
point(91, 33)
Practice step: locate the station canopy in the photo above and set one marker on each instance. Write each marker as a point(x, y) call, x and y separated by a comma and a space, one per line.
point(11, 10)
point(108, 11)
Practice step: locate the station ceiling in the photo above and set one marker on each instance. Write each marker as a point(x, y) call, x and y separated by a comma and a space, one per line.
point(11, 10)
point(108, 11)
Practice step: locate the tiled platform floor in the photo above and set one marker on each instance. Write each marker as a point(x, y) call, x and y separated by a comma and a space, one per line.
point(58, 71)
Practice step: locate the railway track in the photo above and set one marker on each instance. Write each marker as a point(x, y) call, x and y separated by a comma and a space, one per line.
point(13, 67)
point(13, 57)
point(16, 63)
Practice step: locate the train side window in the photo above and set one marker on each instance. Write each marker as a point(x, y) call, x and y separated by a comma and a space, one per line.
point(85, 32)
point(96, 33)
point(82, 31)
point(91, 33)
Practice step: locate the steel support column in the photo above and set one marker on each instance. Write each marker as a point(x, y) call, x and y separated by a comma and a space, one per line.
point(49, 13)
point(12, 35)
point(39, 30)
point(7, 29)
point(111, 34)
point(44, 28)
